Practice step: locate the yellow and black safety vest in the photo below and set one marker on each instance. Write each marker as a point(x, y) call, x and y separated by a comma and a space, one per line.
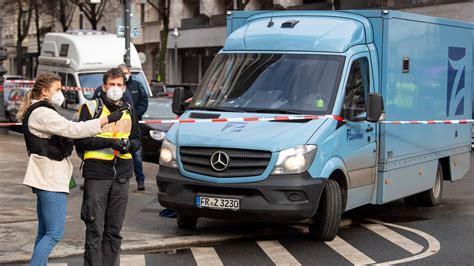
point(118, 130)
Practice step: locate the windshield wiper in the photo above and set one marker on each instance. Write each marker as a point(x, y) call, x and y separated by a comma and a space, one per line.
point(213, 109)
point(270, 111)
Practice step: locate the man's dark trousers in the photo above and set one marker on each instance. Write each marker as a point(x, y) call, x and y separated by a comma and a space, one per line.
point(103, 211)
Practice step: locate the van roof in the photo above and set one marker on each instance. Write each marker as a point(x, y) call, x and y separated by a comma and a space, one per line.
point(86, 51)
point(300, 31)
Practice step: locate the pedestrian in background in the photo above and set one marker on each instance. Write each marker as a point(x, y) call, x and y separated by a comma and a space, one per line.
point(140, 104)
point(47, 135)
point(107, 171)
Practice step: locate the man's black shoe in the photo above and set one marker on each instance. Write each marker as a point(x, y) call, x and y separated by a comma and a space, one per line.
point(141, 186)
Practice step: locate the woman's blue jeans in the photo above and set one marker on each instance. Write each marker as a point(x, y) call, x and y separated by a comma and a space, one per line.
point(51, 210)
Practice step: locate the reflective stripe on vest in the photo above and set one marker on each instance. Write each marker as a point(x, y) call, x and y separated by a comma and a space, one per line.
point(118, 130)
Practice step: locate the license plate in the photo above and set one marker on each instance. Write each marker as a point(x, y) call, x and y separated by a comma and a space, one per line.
point(217, 203)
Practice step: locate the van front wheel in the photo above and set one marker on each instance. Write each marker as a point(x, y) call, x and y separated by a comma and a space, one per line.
point(328, 216)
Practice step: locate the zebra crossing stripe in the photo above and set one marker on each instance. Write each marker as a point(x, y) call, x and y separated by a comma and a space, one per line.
point(206, 256)
point(349, 252)
point(132, 260)
point(394, 237)
point(277, 253)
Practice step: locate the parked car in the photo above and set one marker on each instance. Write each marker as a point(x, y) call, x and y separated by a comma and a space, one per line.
point(166, 89)
point(7, 78)
point(10, 77)
point(153, 134)
point(13, 102)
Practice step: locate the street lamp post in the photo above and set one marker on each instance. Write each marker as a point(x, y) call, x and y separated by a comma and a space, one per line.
point(127, 8)
point(175, 34)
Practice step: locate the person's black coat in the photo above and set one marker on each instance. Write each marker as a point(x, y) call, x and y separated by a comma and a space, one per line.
point(139, 97)
point(101, 169)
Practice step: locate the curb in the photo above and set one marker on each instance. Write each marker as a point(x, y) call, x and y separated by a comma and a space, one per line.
point(63, 251)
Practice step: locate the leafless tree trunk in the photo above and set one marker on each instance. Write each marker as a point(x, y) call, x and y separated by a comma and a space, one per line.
point(93, 12)
point(163, 8)
point(62, 10)
point(23, 26)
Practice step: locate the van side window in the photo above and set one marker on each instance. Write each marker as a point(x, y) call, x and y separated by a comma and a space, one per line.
point(63, 78)
point(71, 81)
point(357, 86)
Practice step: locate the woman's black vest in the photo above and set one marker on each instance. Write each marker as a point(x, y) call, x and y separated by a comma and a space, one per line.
point(56, 148)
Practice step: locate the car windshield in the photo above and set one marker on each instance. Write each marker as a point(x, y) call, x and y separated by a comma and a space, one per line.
point(94, 80)
point(270, 83)
point(159, 108)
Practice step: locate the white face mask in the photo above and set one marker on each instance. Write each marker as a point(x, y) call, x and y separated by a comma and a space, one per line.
point(127, 77)
point(57, 98)
point(114, 93)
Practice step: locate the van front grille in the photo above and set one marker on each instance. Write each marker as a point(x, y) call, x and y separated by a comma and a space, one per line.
point(240, 162)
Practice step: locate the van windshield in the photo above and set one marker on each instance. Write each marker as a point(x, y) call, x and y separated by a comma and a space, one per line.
point(270, 83)
point(94, 80)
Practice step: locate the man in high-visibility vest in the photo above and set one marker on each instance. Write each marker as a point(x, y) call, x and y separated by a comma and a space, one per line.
point(108, 167)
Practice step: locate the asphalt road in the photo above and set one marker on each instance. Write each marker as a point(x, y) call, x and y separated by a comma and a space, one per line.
point(441, 235)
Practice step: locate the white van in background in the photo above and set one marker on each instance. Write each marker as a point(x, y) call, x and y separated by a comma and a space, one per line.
point(81, 58)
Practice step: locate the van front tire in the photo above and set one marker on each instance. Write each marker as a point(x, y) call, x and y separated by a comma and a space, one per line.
point(328, 216)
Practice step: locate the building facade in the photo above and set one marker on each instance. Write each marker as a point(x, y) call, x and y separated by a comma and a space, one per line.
point(201, 26)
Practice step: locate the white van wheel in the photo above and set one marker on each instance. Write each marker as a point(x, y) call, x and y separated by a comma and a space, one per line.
point(328, 216)
point(433, 196)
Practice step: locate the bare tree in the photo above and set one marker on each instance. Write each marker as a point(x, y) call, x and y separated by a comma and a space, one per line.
point(93, 12)
point(236, 4)
point(62, 10)
point(25, 12)
point(163, 8)
point(41, 27)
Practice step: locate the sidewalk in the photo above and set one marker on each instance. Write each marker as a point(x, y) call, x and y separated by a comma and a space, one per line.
point(144, 230)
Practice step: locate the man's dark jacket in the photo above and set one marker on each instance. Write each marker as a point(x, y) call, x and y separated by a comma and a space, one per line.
point(101, 169)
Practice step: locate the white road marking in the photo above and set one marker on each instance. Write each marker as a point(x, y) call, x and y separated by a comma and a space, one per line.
point(433, 244)
point(394, 237)
point(57, 264)
point(132, 260)
point(349, 252)
point(206, 256)
point(277, 253)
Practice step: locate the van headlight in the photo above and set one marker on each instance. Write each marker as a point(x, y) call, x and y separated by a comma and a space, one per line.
point(157, 135)
point(295, 160)
point(168, 154)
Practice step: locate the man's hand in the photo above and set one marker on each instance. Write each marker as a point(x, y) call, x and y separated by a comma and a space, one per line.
point(118, 145)
point(127, 146)
point(115, 116)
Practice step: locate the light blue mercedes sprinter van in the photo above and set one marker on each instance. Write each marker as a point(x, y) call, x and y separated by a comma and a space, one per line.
point(364, 66)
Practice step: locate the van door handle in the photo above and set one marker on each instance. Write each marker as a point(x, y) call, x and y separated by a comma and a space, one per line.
point(369, 129)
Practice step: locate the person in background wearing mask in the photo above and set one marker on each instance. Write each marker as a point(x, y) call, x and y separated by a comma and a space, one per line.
point(47, 135)
point(140, 104)
point(107, 171)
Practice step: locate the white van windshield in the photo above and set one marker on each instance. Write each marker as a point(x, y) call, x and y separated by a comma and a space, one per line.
point(270, 83)
point(94, 80)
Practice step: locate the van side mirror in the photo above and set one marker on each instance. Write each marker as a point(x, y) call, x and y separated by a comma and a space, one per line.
point(178, 105)
point(374, 107)
point(72, 97)
point(350, 114)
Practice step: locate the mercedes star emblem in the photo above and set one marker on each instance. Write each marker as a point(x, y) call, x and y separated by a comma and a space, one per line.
point(220, 161)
